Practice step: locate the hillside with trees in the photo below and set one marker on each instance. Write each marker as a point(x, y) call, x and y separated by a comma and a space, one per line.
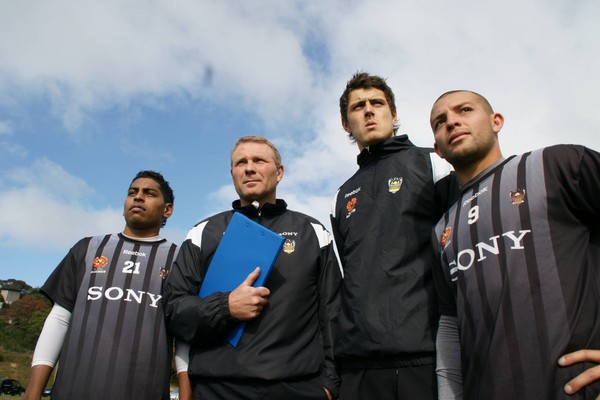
point(20, 325)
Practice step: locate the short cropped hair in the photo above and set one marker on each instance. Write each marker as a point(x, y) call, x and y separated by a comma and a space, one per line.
point(257, 139)
point(486, 104)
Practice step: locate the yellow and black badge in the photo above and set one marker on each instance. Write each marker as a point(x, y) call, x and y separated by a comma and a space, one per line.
point(289, 246)
point(518, 197)
point(163, 272)
point(394, 184)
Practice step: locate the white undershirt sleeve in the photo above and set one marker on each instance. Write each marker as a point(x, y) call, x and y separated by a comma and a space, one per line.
point(50, 342)
point(448, 368)
point(182, 356)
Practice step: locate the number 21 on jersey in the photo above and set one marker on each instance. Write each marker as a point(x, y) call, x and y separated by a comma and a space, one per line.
point(131, 267)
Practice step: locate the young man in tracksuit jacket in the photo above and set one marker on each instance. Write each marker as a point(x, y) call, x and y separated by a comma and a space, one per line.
point(286, 350)
point(382, 219)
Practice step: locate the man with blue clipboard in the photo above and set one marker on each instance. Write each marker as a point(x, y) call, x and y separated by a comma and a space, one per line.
point(245, 246)
point(284, 349)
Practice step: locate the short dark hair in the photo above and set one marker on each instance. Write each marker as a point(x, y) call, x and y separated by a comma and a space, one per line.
point(363, 80)
point(165, 189)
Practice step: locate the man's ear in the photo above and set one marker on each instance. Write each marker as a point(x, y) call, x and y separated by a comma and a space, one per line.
point(497, 122)
point(346, 127)
point(280, 173)
point(168, 210)
point(437, 150)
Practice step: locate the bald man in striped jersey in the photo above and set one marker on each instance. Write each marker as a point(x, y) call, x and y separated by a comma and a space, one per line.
point(519, 280)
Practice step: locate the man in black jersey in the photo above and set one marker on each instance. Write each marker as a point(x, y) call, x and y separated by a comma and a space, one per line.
point(518, 279)
point(382, 218)
point(286, 350)
point(107, 322)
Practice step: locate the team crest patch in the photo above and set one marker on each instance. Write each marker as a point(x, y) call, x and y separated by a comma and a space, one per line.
point(518, 197)
point(289, 246)
point(446, 236)
point(163, 272)
point(99, 264)
point(394, 184)
point(351, 206)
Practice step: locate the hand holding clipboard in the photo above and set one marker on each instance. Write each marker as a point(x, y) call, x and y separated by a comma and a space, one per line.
point(246, 302)
point(245, 246)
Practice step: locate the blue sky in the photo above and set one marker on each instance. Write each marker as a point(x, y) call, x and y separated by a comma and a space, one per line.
point(92, 92)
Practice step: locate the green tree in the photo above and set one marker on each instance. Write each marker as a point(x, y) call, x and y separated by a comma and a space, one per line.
point(21, 324)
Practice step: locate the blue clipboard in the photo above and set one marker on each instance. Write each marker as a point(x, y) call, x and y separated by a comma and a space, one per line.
point(245, 245)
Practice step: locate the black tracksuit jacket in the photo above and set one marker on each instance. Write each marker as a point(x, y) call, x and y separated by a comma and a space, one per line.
point(382, 220)
point(292, 337)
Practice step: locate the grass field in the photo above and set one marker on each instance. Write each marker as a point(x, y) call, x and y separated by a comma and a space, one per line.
point(15, 366)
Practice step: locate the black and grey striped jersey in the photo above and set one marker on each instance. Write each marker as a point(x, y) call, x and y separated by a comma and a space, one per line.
point(117, 345)
point(520, 255)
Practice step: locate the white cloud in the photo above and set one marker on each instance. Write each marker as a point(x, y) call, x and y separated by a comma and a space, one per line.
point(47, 208)
point(316, 206)
point(6, 144)
point(51, 179)
point(89, 57)
point(13, 149)
point(535, 61)
point(93, 56)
